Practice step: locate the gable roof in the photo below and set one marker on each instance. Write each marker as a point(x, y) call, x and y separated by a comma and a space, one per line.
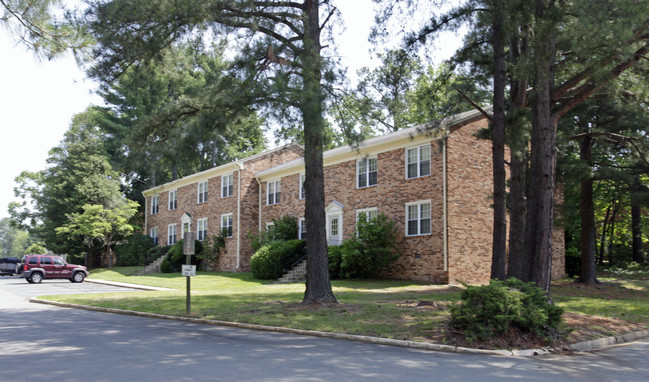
point(370, 147)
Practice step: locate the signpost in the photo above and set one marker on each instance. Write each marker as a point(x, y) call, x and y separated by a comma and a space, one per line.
point(189, 249)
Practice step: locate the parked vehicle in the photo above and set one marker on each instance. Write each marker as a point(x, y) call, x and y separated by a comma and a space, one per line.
point(9, 266)
point(35, 268)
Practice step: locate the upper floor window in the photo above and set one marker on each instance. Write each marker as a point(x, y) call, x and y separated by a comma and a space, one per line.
point(367, 213)
point(226, 225)
point(173, 199)
point(226, 185)
point(302, 180)
point(202, 192)
point(418, 218)
point(273, 192)
point(418, 161)
point(154, 235)
point(171, 234)
point(201, 229)
point(367, 172)
point(154, 204)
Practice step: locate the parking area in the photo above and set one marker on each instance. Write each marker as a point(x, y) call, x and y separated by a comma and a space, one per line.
point(18, 286)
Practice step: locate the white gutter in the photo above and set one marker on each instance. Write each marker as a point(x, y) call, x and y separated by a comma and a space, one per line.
point(146, 215)
point(445, 207)
point(260, 206)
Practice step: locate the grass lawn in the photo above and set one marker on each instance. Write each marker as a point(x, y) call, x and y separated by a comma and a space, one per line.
point(385, 308)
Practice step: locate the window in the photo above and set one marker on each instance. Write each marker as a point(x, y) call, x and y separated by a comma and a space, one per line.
point(173, 199)
point(46, 261)
point(418, 162)
point(59, 261)
point(226, 225)
point(171, 234)
point(273, 190)
point(367, 172)
point(154, 204)
point(201, 232)
point(302, 230)
point(369, 213)
point(202, 192)
point(154, 235)
point(226, 185)
point(302, 180)
point(418, 218)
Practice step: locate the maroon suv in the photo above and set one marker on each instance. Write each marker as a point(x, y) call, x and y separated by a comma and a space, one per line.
point(35, 268)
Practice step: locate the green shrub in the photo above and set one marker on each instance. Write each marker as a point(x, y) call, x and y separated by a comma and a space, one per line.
point(35, 249)
point(282, 229)
point(495, 308)
point(273, 258)
point(134, 250)
point(155, 253)
point(335, 256)
point(165, 267)
point(177, 258)
point(573, 262)
point(370, 249)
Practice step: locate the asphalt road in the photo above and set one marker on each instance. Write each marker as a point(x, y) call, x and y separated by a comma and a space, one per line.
point(47, 343)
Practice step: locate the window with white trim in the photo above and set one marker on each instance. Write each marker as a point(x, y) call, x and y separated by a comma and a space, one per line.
point(367, 172)
point(153, 233)
point(369, 213)
point(302, 180)
point(201, 229)
point(273, 192)
point(173, 200)
point(226, 225)
point(418, 220)
point(418, 161)
point(171, 234)
point(202, 192)
point(226, 185)
point(154, 204)
point(302, 228)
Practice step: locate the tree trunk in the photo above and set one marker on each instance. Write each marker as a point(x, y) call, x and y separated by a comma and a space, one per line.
point(587, 211)
point(499, 255)
point(602, 241)
point(318, 285)
point(636, 224)
point(540, 207)
point(518, 164)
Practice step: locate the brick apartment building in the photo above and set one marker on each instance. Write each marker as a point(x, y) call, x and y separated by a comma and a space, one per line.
point(436, 185)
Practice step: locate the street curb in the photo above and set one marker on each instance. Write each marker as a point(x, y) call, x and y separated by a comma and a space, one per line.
point(312, 333)
point(601, 343)
point(126, 285)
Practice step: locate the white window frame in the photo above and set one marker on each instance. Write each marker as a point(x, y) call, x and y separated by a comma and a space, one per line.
point(172, 228)
point(201, 229)
point(228, 219)
point(365, 164)
point(227, 185)
point(419, 160)
point(367, 212)
point(276, 187)
point(155, 204)
point(419, 217)
point(201, 190)
point(302, 179)
point(153, 234)
point(173, 200)
point(301, 230)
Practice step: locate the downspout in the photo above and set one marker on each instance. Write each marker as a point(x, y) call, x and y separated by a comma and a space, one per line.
point(239, 216)
point(259, 204)
point(445, 202)
point(146, 214)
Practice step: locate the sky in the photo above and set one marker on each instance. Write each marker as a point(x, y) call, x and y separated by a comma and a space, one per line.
point(39, 98)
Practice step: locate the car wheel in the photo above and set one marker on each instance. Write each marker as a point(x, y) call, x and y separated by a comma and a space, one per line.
point(78, 277)
point(36, 277)
point(29, 281)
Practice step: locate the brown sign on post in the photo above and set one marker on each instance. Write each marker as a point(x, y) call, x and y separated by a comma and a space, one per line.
point(189, 247)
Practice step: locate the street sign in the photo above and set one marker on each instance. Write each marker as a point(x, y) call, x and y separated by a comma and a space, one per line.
point(189, 246)
point(189, 270)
